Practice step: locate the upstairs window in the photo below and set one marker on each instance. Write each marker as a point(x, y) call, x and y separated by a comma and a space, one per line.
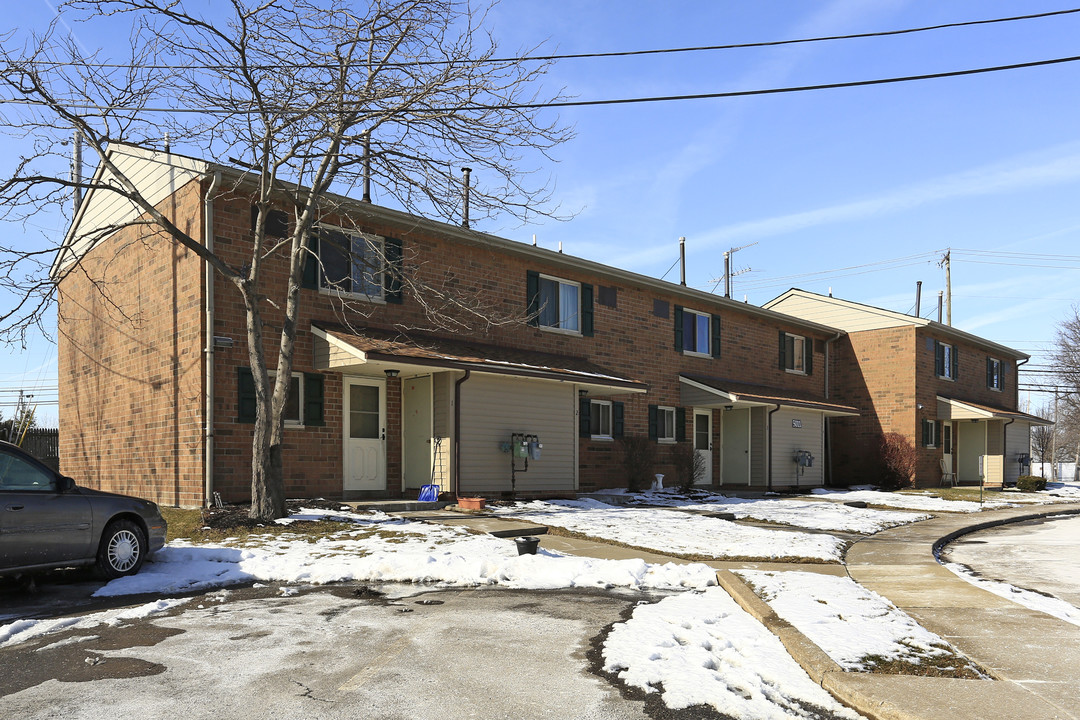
point(946, 361)
point(993, 374)
point(558, 304)
point(796, 353)
point(697, 332)
point(355, 264)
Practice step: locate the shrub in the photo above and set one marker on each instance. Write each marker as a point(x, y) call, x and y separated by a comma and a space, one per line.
point(638, 459)
point(689, 465)
point(1030, 483)
point(898, 459)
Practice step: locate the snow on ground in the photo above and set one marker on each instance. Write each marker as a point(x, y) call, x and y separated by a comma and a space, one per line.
point(926, 503)
point(22, 631)
point(1031, 600)
point(1054, 492)
point(382, 549)
point(810, 514)
point(665, 531)
point(703, 649)
point(847, 621)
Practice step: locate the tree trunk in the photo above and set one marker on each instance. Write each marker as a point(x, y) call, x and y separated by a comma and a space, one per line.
point(267, 480)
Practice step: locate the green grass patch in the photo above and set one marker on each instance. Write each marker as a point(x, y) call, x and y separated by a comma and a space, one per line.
point(971, 494)
point(191, 525)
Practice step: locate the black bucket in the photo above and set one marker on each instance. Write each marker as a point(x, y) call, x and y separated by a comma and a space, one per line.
point(527, 545)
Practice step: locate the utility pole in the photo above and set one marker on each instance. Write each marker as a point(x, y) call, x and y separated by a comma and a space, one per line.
point(947, 263)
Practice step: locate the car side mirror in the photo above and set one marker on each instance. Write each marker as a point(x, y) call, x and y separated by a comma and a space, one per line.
point(65, 484)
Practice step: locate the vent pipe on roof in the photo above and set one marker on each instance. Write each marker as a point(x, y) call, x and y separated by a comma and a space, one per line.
point(76, 173)
point(367, 167)
point(918, 298)
point(682, 261)
point(465, 179)
point(727, 274)
point(939, 297)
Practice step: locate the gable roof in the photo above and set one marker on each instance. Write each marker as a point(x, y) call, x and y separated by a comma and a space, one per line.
point(164, 172)
point(852, 317)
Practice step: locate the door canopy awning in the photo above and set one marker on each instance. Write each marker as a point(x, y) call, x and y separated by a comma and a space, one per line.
point(372, 352)
point(953, 409)
point(704, 391)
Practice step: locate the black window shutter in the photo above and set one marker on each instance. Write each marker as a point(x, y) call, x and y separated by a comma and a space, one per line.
point(716, 336)
point(680, 424)
point(783, 350)
point(654, 430)
point(617, 419)
point(808, 360)
point(246, 402)
point(276, 224)
point(586, 309)
point(989, 372)
point(532, 297)
point(584, 426)
point(955, 363)
point(678, 328)
point(926, 433)
point(310, 280)
point(392, 272)
point(313, 399)
point(939, 359)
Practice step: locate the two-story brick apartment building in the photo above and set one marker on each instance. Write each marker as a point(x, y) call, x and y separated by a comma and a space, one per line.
point(156, 396)
point(954, 395)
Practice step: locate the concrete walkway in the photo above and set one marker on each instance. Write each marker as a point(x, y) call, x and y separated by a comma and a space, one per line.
point(1034, 658)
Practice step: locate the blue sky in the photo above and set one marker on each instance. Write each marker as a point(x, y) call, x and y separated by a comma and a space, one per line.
point(881, 179)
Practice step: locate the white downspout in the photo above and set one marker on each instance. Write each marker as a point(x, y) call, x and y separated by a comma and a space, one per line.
point(208, 352)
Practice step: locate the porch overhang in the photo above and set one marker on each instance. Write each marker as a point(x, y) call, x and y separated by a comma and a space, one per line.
point(953, 409)
point(372, 352)
point(704, 391)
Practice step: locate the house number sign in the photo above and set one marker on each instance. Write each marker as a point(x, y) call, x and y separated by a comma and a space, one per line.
point(796, 423)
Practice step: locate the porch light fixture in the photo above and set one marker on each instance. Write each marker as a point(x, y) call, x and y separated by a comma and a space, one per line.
point(392, 373)
point(729, 407)
point(583, 393)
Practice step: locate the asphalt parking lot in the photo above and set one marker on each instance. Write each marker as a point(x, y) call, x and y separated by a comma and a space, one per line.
point(333, 652)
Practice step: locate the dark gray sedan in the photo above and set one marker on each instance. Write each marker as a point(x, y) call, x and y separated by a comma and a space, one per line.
point(46, 521)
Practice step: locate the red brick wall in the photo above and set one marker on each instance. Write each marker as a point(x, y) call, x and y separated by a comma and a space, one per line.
point(130, 369)
point(629, 340)
point(886, 374)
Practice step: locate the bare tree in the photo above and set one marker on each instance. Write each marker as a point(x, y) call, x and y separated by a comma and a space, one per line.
point(1066, 362)
point(305, 94)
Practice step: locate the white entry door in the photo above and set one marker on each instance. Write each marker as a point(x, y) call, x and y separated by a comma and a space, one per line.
point(365, 434)
point(703, 443)
point(947, 444)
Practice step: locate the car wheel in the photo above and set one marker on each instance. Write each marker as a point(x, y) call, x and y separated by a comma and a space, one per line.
point(122, 549)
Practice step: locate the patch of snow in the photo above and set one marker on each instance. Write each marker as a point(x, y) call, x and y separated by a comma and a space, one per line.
point(1032, 600)
point(22, 631)
point(703, 649)
point(844, 619)
point(395, 551)
point(810, 514)
point(926, 503)
point(663, 531)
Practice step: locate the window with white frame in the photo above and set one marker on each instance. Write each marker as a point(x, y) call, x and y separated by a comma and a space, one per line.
point(795, 353)
point(946, 361)
point(294, 401)
point(559, 304)
point(696, 334)
point(352, 263)
point(600, 418)
point(665, 424)
point(993, 374)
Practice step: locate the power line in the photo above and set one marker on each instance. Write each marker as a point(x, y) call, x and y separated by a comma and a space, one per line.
point(355, 105)
point(613, 54)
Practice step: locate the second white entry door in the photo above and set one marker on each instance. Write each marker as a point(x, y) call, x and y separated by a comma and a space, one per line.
point(365, 434)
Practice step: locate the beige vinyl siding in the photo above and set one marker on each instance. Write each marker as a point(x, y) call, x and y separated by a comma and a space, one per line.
point(493, 407)
point(995, 449)
point(786, 440)
point(758, 417)
point(840, 314)
point(1017, 442)
point(157, 176)
point(442, 388)
point(691, 396)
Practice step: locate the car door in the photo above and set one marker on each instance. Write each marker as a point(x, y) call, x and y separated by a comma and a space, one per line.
point(40, 523)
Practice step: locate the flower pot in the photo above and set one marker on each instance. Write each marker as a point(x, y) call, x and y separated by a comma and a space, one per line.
point(471, 503)
point(527, 545)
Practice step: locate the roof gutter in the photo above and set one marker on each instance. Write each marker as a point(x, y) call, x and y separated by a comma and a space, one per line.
point(208, 352)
